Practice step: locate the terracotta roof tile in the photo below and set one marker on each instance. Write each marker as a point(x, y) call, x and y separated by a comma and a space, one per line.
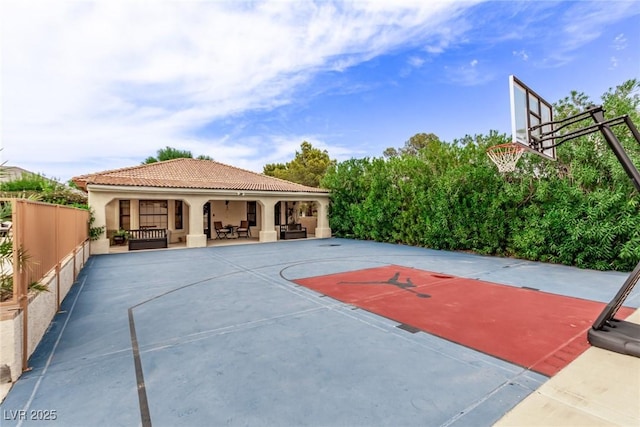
point(192, 173)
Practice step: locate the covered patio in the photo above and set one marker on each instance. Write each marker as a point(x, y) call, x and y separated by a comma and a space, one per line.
point(211, 243)
point(187, 199)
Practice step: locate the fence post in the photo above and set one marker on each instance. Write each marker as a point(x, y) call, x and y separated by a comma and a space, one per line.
point(57, 244)
point(15, 258)
point(21, 281)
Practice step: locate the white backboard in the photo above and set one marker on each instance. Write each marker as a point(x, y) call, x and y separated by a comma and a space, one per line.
point(528, 109)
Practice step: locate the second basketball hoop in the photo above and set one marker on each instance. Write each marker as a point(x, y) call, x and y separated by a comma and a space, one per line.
point(506, 156)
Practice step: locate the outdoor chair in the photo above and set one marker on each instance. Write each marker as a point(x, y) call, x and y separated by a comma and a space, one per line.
point(220, 230)
point(244, 229)
point(5, 228)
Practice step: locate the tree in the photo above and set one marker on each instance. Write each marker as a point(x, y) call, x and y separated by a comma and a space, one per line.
point(170, 153)
point(277, 170)
point(307, 168)
point(411, 147)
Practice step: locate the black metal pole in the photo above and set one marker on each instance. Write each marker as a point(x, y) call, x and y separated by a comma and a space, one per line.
point(616, 146)
point(633, 128)
point(609, 333)
point(612, 308)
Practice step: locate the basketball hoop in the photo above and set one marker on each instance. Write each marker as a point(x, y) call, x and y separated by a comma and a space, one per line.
point(505, 156)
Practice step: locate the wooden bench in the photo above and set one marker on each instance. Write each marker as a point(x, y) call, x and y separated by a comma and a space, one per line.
point(293, 231)
point(148, 238)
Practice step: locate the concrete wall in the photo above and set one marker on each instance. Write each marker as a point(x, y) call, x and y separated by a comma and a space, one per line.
point(42, 308)
point(11, 342)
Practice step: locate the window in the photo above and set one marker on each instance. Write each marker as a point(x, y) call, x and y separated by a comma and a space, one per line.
point(153, 214)
point(251, 213)
point(125, 214)
point(178, 215)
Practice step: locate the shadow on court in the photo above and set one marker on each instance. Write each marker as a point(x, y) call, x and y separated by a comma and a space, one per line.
point(230, 336)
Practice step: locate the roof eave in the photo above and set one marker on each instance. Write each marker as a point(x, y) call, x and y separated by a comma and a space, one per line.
point(178, 190)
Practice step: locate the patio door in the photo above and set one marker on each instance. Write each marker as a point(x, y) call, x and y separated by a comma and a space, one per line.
point(277, 211)
point(206, 217)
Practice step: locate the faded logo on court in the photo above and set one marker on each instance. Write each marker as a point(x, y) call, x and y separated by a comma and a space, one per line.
point(394, 280)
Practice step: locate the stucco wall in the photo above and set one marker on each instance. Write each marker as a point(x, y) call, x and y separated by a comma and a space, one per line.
point(228, 213)
point(11, 342)
point(310, 222)
point(111, 215)
point(66, 275)
point(42, 308)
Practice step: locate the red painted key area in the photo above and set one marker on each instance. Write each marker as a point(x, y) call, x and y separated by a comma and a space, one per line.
point(537, 330)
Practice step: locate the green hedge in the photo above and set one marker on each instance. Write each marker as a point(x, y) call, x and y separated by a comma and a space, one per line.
point(38, 187)
point(581, 210)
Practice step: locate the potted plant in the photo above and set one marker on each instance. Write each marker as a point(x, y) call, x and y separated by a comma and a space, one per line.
point(120, 237)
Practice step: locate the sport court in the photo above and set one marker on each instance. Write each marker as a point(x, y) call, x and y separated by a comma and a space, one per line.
point(318, 332)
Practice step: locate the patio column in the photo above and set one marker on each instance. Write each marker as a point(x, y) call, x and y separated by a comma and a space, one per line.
point(98, 204)
point(196, 237)
point(323, 230)
point(268, 232)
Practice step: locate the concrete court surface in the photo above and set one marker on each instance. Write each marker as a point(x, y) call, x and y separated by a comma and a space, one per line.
point(222, 336)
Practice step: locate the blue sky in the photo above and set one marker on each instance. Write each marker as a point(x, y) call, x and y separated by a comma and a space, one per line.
point(90, 86)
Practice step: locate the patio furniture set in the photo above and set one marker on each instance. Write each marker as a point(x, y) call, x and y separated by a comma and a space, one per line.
point(155, 238)
point(232, 231)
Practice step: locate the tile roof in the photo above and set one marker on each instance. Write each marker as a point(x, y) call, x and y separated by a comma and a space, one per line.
point(192, 173)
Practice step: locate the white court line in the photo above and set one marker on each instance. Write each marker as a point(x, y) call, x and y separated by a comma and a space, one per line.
point(53, 351)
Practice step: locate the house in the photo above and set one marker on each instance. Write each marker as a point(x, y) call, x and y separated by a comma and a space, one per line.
point(186, 196)
point(11, 173)
point(15, 173)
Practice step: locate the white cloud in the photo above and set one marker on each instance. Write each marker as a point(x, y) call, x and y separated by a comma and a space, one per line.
point(620, 42)
point(521, 54)
point(614, 62)
point(447, 36)
point(415, 61)
point(93, 83)
point(584, 22)
point(471, 74)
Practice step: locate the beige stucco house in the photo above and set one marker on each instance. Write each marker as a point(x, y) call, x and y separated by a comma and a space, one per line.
point(186, 197)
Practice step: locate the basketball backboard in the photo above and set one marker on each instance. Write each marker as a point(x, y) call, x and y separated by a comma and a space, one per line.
point(529, 110)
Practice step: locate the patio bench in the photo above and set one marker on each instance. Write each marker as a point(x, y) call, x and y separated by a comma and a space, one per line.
point(148, 238)
point(293, 231)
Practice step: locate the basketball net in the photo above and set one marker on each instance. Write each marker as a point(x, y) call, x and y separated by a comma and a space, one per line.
point(505, 156)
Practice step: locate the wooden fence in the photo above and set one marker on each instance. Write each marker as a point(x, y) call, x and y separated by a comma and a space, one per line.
point(44, 235)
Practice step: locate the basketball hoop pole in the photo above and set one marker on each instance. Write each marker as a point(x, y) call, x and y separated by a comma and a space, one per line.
point(602, 125)
point(616, 146)
point(607, 332)
point(533, 126)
